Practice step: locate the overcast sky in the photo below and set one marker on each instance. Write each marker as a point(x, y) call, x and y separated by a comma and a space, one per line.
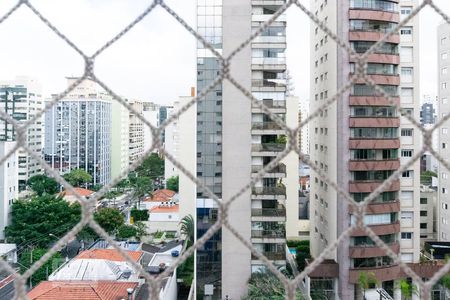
point(155, 61)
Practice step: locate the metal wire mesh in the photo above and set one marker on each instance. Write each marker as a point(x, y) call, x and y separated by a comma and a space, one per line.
point(292, 145)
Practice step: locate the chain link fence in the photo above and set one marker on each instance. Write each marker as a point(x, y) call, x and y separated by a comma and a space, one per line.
point(292, 145)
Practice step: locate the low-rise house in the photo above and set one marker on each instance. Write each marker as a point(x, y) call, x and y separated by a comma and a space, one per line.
point(159, 197)
point(99, 264)
point(70, 197)
point(164, 217)
point(83, 290)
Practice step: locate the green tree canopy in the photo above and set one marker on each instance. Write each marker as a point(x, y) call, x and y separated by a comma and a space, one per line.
point(125, 231)
point(264, 285)
point(110, 219)
point(78, 177)
point(49, 266)
point(142, 186)
point(187, 228)
point(33, 220)
point(426, 177)
point(139, 215)
point(42, 184)
point(152, 166)
point(172, 183)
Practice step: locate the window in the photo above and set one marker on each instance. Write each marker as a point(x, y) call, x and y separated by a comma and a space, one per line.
point(444, 85)
point(408, 174)
point(423, 225)
point(423, 213)
point(444, 190)
point(407, 132)
point(423, 200)
point(443, 41)
point(406, 215)
point(444, 221)
point(444, 145)
point(407, 153)
point(406, 235)
point(444, 130)
point(406, 33)
point(406, 54)
point(444, 206)
point(406, 75)
point(405, 11)
point(444, 175)
point(444, 71)
point(444, 55)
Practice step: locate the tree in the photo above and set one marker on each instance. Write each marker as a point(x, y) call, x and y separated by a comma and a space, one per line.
point(96, 187)
point(31, 256)
point(42, 184)
point(141, 230)
point(426, 177)
point(142, 186)
point(139, 215)
point(110, 219)
point(172, 183)
point(78, 177)
point(264, 285)
point(187, 228)
point(365, 280)
point(407, 288)
point(152, 166)
point(281, 139)
point(126, 231)
point(33, 220)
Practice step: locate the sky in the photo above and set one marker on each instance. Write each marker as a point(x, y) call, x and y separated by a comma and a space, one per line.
point(156, 60)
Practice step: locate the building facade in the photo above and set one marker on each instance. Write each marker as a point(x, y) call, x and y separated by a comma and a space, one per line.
point(9, 188)
point(78, 132)
point(21, 99)
point(120, 127)
point(360, 140)
point(444, 136)
point(230, 152)
point(136, 131)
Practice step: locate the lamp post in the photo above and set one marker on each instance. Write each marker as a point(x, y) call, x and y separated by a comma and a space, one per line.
point(65, 246)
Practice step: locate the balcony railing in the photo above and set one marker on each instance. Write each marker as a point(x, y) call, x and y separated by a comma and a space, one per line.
point(266, 125)
point(268, 60)
point(281, 168)
point(278, 190)
point(269, 82)
point(273, 147)
point(261, 233)
point(269, 212)
point(272, 255)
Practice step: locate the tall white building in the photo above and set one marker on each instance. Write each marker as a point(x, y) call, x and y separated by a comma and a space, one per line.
point(361, 140)
point(304, 132)
point(443, 217)
point(8, 184)
point(136, 131)
point(151, 114)
point(78, 132)
point(21, 98)
point(120, 128)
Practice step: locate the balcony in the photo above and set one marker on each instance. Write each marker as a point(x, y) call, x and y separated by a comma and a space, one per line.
point(269, 212)
point(374, 165)
point(374, 143)
point(269, 63)
point(276, 106)
point(281, 168)
point(376, 15)
point(372, 121)
point(267, 149)
point(370, 186)
point(380, 207)
point(372, 36)
point(272, 234)
point(269, 85)
point(265, 18)
point(269, 39)
point(268, 2)
point(373, 100)
point(382, 273)
point(365, 251)
point(272, 128)
point(269, 190)
point(272, 256)
point(381, 58)
point(381, 229)
point(382, 79)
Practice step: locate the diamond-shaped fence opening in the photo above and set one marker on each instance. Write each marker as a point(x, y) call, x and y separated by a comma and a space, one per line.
point(87, 205)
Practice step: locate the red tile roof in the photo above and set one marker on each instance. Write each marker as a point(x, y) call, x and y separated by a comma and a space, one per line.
point(165, 209)
point(109, 254)
point(161, 196)
point(81, 290)
point(80, 191)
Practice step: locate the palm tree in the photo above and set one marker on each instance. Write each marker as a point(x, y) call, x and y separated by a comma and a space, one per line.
point(187, 228)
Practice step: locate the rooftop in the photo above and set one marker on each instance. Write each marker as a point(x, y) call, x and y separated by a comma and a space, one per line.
point(163, 195)
point(108, 254)
point(78, 190)
point(77, 290)
point(165, 209)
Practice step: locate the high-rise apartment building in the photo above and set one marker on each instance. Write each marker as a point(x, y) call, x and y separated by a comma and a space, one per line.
point(78, 132)
point(136, 131)
point(236, 140)
point(443, 216)
point(8, 184)
point(151, 113)
point(120, 129)
point(21, 99)
point(361, 140)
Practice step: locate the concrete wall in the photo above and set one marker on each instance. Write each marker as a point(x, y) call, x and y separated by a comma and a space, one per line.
point(236, 154)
